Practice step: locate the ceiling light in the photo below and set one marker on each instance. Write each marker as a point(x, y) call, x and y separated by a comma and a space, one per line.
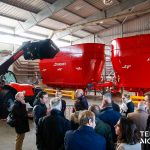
point(107, 2)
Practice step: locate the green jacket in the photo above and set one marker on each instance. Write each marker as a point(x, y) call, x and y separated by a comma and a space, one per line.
point(105, 130)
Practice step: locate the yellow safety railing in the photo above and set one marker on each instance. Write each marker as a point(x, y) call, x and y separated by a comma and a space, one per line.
point(50, 91)
point(136, 99)
point(66, 93)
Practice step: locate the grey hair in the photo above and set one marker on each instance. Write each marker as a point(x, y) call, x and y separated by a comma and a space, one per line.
point(108, 98)
point(18, 93)
point(55, 103)
point(141, 106)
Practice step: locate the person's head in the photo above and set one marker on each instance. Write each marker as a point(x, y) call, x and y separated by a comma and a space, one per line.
point(116, 96)
point(78, 93)
point(20, 96)
point(58, 94)
point(87, 118)
point(141, 106)
point(107, 100)
point(147, 100)
point(55, 103)
point(127, 131)
point(125, 97)
point(43, 97)
point(95, 109)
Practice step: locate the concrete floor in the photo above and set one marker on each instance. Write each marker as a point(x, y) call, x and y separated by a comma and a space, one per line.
point(8, 135)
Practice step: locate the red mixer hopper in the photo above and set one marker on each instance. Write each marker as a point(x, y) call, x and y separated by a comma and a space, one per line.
point(74, 66)
point(131, 62)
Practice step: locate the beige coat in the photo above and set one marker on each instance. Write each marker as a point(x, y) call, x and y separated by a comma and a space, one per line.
point(139, 117)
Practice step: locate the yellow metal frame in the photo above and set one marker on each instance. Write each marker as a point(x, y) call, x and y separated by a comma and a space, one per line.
point(66, 93)
point(137, 99)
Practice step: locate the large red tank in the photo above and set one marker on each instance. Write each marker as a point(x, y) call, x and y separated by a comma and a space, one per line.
point(74, 66)
point(131, 61)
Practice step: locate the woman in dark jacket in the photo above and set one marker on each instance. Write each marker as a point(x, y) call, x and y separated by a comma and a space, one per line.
point(128, 135)
point(40, 109)
point(21, 118)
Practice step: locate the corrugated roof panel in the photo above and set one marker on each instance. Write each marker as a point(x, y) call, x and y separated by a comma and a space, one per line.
point(100, 5)
point(70, 38)
point(50, 23)
point(129, 18)
point(40, 4)
point(110, 23)
point(93, 29)
point(66, 16)
point(31, 35)
point(8, 22)
point(113, 22)
point(82, 8)
point(107, 25)
point(41, 30)
point(81, 33)
point(12, 11)
point(126, 11)
point(50, 1)
point(88, 39)
point(134, 27)
point(142, 6)
point(31, 5)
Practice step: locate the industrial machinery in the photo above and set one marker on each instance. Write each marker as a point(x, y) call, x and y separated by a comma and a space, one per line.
point(80, 66)
point(8, 86)
point(131, 63)
point(76, 66)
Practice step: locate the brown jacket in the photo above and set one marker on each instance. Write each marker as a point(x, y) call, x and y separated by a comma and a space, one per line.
point(139, 117)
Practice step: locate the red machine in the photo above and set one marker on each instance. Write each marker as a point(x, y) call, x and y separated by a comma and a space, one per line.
point(74, 66)
point(131, 62)
point(30, 50)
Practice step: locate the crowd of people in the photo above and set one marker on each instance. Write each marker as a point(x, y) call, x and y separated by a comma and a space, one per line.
point(108, 126)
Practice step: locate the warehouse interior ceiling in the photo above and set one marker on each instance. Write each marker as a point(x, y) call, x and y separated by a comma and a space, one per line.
point(65, 21)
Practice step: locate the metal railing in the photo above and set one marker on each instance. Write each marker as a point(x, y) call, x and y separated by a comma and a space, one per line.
point(66, 93)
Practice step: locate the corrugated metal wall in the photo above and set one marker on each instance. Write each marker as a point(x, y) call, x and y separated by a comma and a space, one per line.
point(140, 25)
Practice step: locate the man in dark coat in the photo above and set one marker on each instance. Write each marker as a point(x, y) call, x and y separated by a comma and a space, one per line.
point(81, 103)
point(51, 129)
point(102, 128)
point(85, 138)
point(40, 109)
point(108, 115)
point(116, 97)
point(21, 118)
point(59, 94)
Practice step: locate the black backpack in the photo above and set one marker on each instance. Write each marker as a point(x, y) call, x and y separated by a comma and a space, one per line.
point(11, 120)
